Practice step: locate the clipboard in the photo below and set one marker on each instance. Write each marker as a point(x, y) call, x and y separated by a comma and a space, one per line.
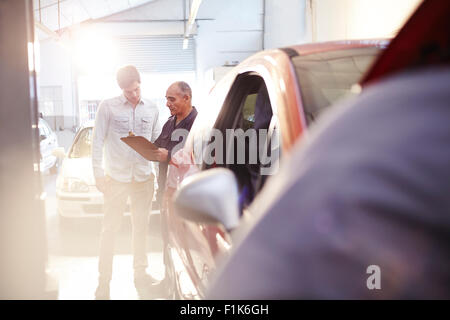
point(142, 146)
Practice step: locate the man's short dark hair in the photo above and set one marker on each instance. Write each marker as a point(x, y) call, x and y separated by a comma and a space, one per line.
point(127, 75)
point(185, 88)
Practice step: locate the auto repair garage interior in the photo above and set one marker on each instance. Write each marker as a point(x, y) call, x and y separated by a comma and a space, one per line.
point(58, 61)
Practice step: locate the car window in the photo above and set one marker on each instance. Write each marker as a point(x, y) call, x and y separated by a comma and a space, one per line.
point(247, 110)
point(201, 129)
point(326, 77)
point(44, 128)
point(82, 145)
point(41, 131)
point(47, 128)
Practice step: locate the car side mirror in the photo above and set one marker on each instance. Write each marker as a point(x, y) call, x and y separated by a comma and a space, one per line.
point(59, 152)
point(210, 196)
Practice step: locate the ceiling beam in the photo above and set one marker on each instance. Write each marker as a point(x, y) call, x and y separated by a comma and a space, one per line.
point(46, 30)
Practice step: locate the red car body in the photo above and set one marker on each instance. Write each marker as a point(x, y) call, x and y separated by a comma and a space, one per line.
point(193, 250)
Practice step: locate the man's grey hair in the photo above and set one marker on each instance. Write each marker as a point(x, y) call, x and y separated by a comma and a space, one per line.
point(185, 88)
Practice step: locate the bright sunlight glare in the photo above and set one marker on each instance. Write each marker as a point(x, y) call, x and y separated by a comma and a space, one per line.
point(95, 52)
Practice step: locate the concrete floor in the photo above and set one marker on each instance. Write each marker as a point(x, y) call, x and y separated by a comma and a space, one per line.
point(73, 254)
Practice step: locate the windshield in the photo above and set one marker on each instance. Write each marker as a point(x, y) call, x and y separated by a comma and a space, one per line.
point(82, 146)
point(326, 77)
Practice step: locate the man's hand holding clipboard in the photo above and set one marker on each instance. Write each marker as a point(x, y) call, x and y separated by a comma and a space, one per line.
point(145, 148)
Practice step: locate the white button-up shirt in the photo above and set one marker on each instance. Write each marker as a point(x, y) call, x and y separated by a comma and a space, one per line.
point(115, 118)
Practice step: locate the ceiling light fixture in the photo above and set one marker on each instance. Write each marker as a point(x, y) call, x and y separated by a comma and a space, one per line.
point(192, 15)
point(185, 43)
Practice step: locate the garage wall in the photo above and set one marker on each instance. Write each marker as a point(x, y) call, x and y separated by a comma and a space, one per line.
point(301, 21)
point(286, 23)
point(55, 73)
point(358, 19)
point(227, 31)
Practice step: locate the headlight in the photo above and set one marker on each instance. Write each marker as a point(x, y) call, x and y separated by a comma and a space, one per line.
point(74, 185)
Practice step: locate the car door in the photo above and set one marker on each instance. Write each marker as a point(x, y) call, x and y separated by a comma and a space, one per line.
point(200, 245)
point(190, 249)
point(274, 92)
point(194, 249)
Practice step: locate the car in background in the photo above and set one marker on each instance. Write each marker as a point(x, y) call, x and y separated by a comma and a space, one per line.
point(282, 91)
point(48, 142)
point(76, 193)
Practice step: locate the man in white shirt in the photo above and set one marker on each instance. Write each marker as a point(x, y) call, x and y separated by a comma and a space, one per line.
point(125, 174)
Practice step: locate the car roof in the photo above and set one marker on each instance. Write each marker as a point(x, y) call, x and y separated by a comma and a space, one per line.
point(310, 48)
